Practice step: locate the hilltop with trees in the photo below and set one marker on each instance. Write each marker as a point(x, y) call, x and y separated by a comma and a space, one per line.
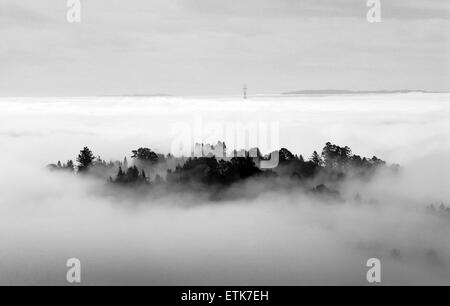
point(148, 170)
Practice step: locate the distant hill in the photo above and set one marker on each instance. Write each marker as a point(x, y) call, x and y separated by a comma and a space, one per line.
point(352, 92)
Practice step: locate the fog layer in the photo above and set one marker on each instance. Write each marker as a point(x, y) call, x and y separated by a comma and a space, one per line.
point(273, 239)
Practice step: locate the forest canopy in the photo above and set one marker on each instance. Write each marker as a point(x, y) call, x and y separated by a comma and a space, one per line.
point(147, 171)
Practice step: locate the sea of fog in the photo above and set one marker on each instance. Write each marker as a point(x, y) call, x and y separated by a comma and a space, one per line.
point(274, 239)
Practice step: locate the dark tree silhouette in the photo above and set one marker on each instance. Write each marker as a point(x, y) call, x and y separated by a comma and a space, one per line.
point(132, 175)
point(145, 155)
point(120, 176)
point(335, 156)
point(85, 159)
point(316, 159)
point(214, 174)
point(286, 155)
point(69, 165)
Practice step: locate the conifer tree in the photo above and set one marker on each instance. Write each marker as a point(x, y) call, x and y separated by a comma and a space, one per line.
point(316, 159)
point(85, 159)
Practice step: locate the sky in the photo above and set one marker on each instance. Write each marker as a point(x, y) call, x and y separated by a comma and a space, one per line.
point(211, 47)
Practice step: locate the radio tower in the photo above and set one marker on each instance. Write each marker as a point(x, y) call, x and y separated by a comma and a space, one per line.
point(245, 92)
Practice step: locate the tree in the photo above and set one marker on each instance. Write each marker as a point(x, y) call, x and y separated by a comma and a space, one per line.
point(120, 176)
point(85, 159)
point(336, 156)
point(99, 162)
point(132, 175)
point(316, 159)
point(301, 159)
point(69, 165)
point(145, 155)
point(286, 155)
point(244, 167)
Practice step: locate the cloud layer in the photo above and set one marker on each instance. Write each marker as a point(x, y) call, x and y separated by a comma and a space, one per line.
point(274, 239)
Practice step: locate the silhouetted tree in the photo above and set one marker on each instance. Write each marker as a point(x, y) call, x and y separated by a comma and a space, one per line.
point(335, 156)
point(334, 164)
point(145, 155)
point(99, 162)
point(286, 155)
point(316, 159)
point(85, 159)
point(120, 176)
point(69, 165)
point(132, 175)
point(244, 167)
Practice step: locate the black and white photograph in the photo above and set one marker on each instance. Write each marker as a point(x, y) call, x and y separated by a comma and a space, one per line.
point(196, 143)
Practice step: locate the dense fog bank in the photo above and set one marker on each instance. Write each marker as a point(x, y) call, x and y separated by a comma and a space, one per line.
point(271, 238)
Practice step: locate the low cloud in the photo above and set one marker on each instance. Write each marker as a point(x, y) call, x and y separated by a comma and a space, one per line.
point(271, 238)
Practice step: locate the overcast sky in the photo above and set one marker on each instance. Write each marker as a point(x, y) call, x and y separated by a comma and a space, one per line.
point(209, 47)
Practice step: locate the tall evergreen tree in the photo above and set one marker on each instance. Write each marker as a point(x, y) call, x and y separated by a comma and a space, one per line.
point(316, 159)
point(85, 159)
point(120, 175)
point(132, 175)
